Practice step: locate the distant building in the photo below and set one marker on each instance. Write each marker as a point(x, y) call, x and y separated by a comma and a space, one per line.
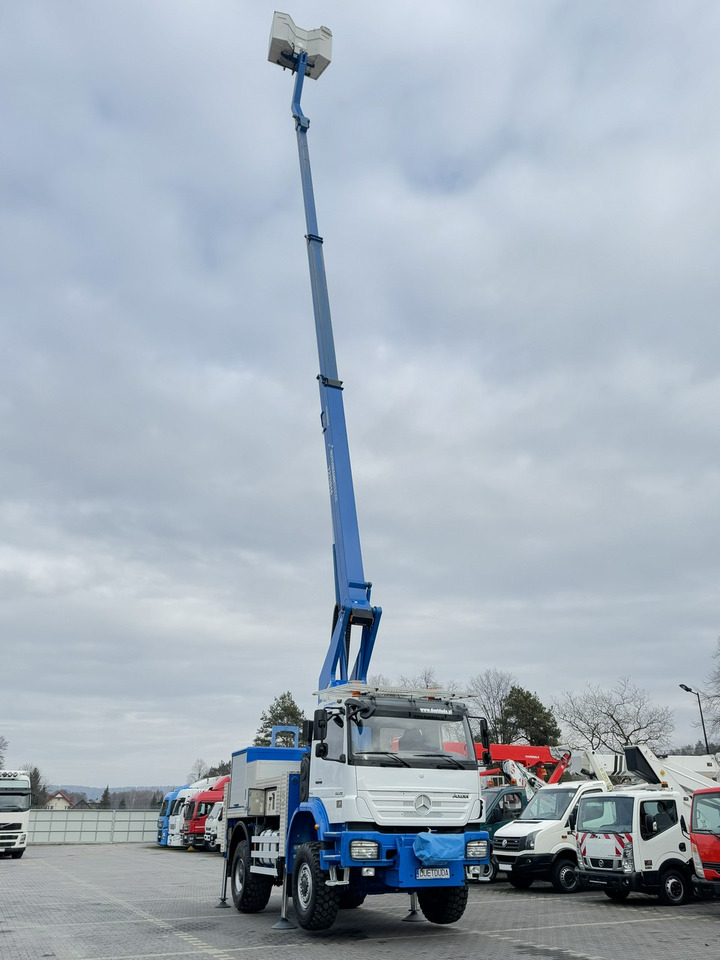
point(58, 801)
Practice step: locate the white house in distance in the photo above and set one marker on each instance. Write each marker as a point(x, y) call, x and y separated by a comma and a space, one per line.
point(58, 801)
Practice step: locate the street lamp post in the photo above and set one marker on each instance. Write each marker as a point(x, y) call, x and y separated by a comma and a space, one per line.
point(684, 686)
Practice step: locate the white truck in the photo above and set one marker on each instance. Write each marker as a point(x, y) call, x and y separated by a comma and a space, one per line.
point(636, 838)
point(15, 803)
point(386, 796)
point(214, 826)
point(386, 800)
point(539, 844)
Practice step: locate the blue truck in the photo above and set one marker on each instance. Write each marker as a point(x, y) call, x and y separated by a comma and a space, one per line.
point(381, 794)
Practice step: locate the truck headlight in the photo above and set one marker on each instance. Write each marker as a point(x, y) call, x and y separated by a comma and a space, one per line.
point(364, 850)
point(530, 840)
point(697, 862)
point(476, 850)
point(627, 858)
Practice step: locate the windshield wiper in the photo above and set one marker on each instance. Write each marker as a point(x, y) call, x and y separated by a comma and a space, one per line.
point(383, 753)
point(444, 756)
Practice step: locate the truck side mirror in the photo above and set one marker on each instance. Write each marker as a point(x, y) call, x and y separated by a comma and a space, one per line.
point(572, 819)
point(321, 750)
point(484, 734)
point(320, 724)
point(307, 731)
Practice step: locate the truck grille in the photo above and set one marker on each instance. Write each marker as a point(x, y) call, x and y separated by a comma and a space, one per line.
point(605, 863)
point(389, 806)
point(10, 826)
point(510, 844)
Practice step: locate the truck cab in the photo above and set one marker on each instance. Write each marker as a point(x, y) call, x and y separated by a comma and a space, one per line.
point(705, 841)
point(387, 799)
point(163, 820)
point(635, 839)
point(15, 803)
point(539, 844)
point(214, 826)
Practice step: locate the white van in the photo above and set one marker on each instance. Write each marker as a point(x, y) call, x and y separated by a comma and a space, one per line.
point(539, 844)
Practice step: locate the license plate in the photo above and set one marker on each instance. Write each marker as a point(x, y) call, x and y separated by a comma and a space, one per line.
point(504, 866)
point(433, 873)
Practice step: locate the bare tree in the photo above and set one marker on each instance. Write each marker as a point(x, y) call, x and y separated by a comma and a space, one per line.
point(427, 678)
point(3, 748)
point(198, 770)
point(613, 719)
point(712, 698)
point(490, 690)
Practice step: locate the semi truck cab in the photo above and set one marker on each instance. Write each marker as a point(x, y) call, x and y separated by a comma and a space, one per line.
point(15, 803)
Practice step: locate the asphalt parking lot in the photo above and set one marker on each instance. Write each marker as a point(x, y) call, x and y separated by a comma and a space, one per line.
point(132, 901)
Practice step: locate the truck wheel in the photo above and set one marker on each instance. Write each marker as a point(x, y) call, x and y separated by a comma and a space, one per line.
point(674, 888)
point(564, 876)
point(250, 891)
point(520, 883)
point(617, 895)
point(443, 904)
point(316, 905)
point(16, 854)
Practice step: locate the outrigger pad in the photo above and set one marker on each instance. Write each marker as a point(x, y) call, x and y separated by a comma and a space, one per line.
point(438, 849)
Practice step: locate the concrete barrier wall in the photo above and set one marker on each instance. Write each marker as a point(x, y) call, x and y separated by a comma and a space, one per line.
point(93, 826)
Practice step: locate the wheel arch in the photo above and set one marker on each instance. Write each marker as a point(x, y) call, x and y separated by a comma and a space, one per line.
point(239, 833)
point(308, 824)
point(565, 853)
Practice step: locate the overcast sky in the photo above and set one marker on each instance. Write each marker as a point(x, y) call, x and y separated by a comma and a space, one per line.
point(520, 203)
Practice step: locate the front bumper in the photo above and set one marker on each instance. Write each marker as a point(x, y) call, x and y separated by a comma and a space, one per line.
point(615, 880)
point(707, 889)
point(12, 841)
point(397, 867)
point(526, 864)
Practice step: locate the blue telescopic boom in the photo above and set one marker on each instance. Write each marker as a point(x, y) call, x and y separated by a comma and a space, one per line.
point(352, 590)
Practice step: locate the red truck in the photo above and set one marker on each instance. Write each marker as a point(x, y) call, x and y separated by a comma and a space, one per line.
point(705, 841)
point(195, 814)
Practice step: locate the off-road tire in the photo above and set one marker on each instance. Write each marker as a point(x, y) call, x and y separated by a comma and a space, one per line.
point(563, 876)
point(250, 891)
point(675, 888)
point(617, 896)
point(316, 905)
point(443, 904)
point(520, 883)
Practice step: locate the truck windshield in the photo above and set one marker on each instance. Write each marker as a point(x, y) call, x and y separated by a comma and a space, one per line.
point(600, 814)
point(706, 813)
point(411, 738)
point(14, 801)
point(548, 804)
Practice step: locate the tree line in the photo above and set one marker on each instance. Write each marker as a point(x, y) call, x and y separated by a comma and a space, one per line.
point(595, 718)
